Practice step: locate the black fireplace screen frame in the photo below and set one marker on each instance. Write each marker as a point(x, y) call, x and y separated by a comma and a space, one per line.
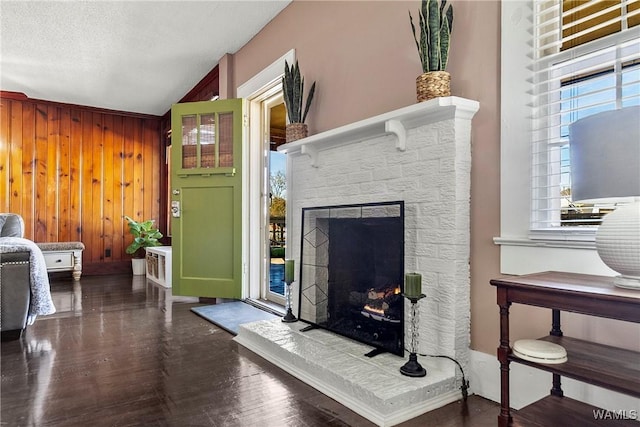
point(380, 288)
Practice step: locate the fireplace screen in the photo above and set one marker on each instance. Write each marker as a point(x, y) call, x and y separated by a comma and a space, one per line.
point(352, 261)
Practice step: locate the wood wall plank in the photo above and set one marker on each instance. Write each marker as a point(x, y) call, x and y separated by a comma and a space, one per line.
point(15, 153)
point(97, 207)
point(75, 176)
point(29, 162)
point(88, 233)
point(42, 139)
point(73, 173)
point(64, 173)
point(52, 187)
point(138, 173)
point(117, 250)
point(5, 137)
point(150, 208)
point(107, 186)
point(128, 176)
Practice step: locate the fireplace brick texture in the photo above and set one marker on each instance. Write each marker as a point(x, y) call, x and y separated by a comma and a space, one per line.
point(432, 176)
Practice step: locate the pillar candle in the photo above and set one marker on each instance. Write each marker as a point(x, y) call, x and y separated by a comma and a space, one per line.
point(288, 271)
point(412, 284)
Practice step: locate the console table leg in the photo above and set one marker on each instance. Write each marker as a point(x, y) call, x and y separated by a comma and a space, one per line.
point(556, 331)
point(504, 419)
point(555, 323)
point(556, 390)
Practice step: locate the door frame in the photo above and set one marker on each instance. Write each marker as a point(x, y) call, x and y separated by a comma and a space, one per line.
point(256, 90)
point(276, 98)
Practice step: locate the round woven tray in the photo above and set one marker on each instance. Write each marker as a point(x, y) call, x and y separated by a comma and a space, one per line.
point(433, 84)
point(295, 131)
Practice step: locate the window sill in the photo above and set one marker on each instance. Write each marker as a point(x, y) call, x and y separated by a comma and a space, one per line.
point(571, 238)
point(524, 255)
point(549, 242)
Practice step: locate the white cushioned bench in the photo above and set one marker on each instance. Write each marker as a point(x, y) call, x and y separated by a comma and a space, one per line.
point(63, 256)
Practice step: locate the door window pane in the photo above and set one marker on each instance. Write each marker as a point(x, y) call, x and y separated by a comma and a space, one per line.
point(189, 142)
point(208, 140)
point(226, 140)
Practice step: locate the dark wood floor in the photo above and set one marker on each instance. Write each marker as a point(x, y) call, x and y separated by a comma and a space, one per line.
point(123, 352)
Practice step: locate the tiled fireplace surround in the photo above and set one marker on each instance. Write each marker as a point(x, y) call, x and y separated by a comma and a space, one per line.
point(420, 154)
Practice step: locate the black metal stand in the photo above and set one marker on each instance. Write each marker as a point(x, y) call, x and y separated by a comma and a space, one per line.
point(412, 368)
point(288, 317)
point(375, 352)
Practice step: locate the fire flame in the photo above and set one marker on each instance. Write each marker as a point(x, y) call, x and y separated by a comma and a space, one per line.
point(374, 310)
point(381, 305)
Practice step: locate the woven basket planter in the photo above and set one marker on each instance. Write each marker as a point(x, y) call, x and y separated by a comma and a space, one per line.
point(295, 131)
point(432, 85)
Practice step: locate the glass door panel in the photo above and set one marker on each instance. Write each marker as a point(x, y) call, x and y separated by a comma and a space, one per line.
point(208, 140)
point(277, 224)
point(276, 175)
point(189, 141)
point(226, 140)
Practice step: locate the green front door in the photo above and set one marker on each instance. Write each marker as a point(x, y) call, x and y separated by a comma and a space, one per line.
point(206, 198)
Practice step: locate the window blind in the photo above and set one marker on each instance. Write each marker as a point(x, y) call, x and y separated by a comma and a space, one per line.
point(587, 60)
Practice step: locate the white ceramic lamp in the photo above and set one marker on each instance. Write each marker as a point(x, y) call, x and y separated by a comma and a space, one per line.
point(605, 164)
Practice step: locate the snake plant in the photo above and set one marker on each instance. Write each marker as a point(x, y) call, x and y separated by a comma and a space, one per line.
point(435, 32)
point(293, 87)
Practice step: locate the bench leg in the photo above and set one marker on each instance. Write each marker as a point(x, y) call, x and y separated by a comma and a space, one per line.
point(77, 265)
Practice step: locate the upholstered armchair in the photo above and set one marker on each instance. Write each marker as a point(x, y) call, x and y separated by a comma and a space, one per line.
point(15, 292)
point(24, 284)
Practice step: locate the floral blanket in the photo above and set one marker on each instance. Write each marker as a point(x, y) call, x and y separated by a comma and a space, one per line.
point(41, 302)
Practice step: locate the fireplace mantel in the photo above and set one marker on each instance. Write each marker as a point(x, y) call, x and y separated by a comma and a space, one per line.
point(396, 122)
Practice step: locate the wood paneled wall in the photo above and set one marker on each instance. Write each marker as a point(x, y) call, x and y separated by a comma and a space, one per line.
point(74, 172)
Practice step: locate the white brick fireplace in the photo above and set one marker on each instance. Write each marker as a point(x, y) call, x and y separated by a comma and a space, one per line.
point(421, 155)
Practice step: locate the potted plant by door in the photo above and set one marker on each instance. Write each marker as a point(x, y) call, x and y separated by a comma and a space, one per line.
point(144, 235)
point(293, 90)
point(436, 22)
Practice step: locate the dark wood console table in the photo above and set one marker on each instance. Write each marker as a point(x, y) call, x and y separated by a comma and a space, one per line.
point(601, 365)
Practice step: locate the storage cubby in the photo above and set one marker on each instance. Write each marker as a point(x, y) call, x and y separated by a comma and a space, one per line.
point(159, 265)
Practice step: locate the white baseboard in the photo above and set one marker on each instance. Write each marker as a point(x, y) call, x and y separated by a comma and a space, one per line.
point(529, 384)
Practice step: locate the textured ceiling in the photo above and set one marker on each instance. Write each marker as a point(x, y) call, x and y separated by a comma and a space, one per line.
point(138, 56)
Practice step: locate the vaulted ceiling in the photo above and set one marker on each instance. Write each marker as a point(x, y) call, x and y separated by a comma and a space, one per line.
point(137, 56)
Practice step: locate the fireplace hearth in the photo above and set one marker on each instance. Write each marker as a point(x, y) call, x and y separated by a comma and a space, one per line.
point(352, 271)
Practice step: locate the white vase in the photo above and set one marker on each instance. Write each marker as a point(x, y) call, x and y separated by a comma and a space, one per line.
point(139, 266)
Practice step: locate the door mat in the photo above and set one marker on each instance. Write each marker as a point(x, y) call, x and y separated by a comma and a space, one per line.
point(230, 315)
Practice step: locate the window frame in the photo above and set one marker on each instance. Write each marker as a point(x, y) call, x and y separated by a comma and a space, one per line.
point(549, 141)
point(570, 249)
point(198, 168)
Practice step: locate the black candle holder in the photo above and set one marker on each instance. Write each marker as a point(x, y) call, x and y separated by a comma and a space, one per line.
point(412, 368)
point(288, 317)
